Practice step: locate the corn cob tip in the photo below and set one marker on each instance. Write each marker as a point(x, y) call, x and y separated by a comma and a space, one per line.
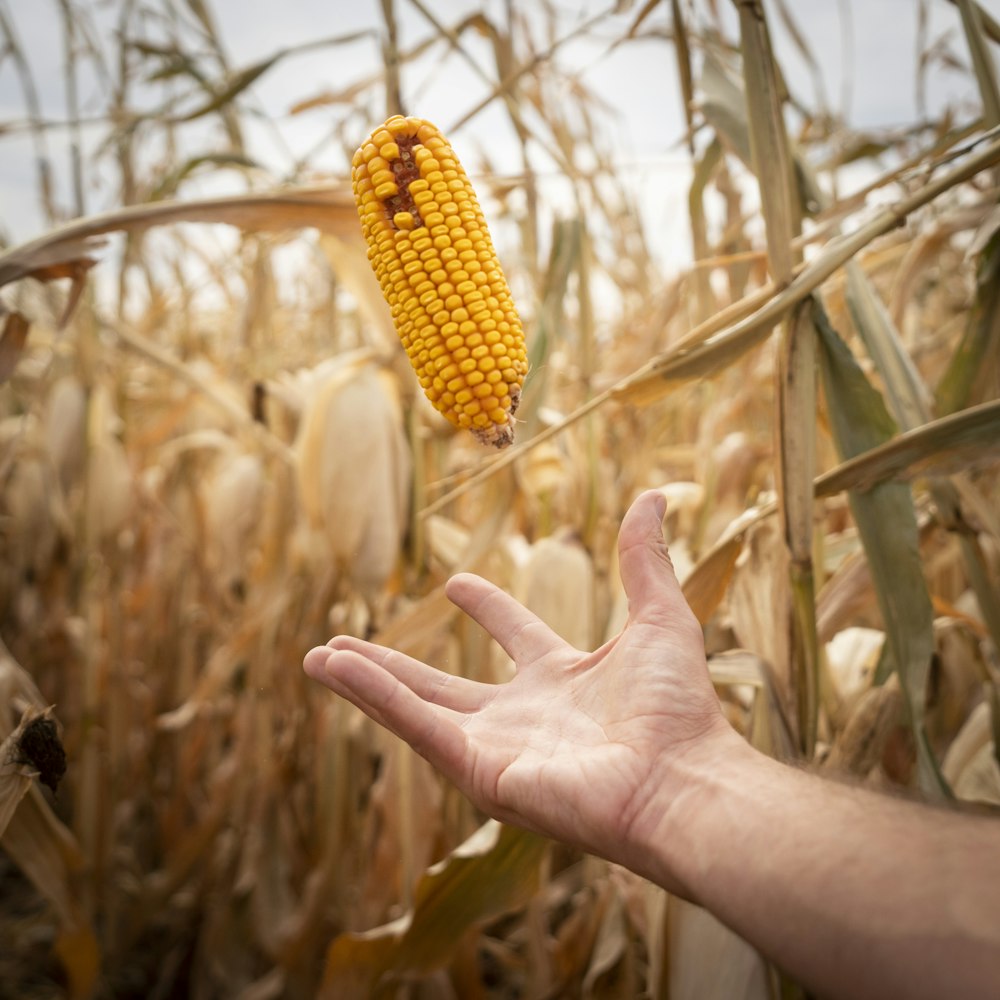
point(500, 434)
point(431, 251)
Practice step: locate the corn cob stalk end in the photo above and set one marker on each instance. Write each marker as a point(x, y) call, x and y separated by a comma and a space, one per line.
point(432, 254)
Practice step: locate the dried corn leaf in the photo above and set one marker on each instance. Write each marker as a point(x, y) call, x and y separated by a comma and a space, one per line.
point(34, 838)
point(982, 59)
point(418, 630)
point(609, 973)
point(682, 46)
point(494, 871)
point(708, 581)
point(724, 106)
point(231, 87)
point(781, 209)
point(404, 817)
point(15, 780)
point(221, 394)
point(51, 257)
point(759, 601)
point(967, 439)
point(64, 252)
point(964, 440)
point(970, 765)
point(910, 402)
point(45, 850)
point(79, 951)
point(706, 959)
point(705, 166)
point(768, 140)
point(769, 730)
point(229, 657)
point(916, 272)
point(908, 399)
point(797, 466)
point(974, 370)
point(873, 719)
point(16, 772)
point(12, 341)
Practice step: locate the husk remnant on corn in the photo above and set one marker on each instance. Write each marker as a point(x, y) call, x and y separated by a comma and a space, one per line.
point(431, 251)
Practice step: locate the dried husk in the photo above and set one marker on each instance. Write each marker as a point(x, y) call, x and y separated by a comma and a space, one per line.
point(353, 469)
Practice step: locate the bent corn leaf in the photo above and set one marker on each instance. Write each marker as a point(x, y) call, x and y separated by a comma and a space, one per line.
point(494, 871)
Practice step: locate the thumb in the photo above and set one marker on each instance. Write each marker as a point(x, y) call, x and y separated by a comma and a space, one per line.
point(654, 595)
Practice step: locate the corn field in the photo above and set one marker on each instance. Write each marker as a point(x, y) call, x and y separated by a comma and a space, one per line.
point(214, 455)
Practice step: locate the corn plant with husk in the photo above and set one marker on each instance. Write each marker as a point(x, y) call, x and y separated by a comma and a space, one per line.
point(197, 488)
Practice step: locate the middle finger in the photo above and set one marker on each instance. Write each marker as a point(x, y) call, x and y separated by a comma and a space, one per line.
point(435, 686)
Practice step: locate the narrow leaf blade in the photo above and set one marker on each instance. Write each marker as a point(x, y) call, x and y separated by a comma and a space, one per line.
point(887, 525)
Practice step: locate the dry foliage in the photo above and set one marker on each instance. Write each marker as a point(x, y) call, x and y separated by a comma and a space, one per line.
point(196, 488)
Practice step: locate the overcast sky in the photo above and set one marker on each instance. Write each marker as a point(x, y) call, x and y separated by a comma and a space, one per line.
point(866, 48)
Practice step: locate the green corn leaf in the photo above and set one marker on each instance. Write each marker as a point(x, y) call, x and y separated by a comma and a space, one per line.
point(982, 60)
point(974, 371)
point(887, 525)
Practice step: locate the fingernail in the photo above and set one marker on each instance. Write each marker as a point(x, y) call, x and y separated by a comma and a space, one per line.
point(661, 505)
point(314, 661)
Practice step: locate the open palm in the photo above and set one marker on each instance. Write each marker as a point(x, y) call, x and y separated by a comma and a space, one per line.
point(577, 745)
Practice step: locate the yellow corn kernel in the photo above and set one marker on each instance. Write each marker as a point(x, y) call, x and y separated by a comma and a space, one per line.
point(432, 254)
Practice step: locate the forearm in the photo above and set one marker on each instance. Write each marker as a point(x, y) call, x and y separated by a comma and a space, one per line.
point(852, 893)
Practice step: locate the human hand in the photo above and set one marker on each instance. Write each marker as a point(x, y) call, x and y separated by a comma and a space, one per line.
point(588, 748)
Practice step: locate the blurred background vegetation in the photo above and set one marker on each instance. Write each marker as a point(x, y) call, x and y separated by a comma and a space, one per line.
point(213, 456)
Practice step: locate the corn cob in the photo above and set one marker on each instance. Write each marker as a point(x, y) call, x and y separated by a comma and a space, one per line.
point(432, 254)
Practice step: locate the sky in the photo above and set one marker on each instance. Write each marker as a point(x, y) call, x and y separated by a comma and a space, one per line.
point(866, 51)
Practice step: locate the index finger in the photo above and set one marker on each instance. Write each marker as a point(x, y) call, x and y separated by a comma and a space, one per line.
point(523, 635)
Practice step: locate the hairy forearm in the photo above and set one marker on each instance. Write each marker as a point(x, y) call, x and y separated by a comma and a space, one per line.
point(852, 893)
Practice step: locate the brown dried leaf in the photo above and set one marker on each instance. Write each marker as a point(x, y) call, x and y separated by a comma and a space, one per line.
point(759, 601)
point(707, 583)
point(48, 854)
point(493, 872)
point(16, 773)
point(418, 630)
point(875, 716)
point(611, 950)
point(65, 251)
point(12, 341)
point(80, 953)
point(50, 258)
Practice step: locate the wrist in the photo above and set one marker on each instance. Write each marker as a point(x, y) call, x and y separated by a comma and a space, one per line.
point(689, 816)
